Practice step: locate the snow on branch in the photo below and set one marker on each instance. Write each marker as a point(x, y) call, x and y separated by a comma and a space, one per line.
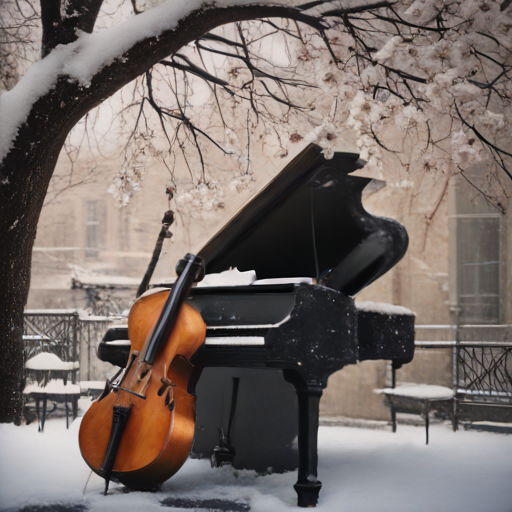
point(81, 60)
point(84, 58)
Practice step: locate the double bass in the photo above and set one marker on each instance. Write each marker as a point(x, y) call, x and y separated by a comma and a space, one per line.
point(140, 430)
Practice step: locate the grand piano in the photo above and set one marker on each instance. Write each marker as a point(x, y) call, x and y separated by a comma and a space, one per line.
point(308, 222)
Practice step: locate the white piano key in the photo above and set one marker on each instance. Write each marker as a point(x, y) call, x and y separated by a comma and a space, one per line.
point(285, 280)
point(246, 327)
point(235, 340)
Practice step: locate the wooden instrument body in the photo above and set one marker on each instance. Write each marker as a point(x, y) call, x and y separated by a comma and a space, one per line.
point(160, 429)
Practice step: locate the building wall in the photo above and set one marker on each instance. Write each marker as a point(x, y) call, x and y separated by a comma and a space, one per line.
point(125, 240)
point(125, 237)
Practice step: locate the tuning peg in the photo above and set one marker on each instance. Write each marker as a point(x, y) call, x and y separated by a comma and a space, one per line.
point(196, 261)
point(168, 217)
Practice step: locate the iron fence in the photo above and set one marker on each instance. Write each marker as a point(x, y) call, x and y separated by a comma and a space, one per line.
point(53, 331)
point(68, 334)
point(482, 369)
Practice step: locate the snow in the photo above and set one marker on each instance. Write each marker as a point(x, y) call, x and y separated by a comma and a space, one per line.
point(383, 308)
point(362, 470)
point(419, 391)
point(55, 249)
point(94, 318)
point(82, 315)
point(15, 104)
point(231, 277)
point(387, 51)
point(47, 361)
point(55, 386)
point(94, 279)
point(86, 385)
point(50, 311)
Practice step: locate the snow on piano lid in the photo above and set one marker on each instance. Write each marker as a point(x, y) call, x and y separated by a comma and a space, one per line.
point(383, 308)
point(309, 221)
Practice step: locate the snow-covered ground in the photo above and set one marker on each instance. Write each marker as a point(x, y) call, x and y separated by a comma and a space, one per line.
point(362, 470)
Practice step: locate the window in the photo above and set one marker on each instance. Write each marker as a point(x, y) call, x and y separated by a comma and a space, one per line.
point(94, 227)
point(478, 256)
point(478, 251)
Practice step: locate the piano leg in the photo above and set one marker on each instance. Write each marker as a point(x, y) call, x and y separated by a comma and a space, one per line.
point(309, 394)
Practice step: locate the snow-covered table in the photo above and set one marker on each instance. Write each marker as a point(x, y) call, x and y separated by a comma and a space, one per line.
point(48, 364)
point(45, 365)
point(407, 397)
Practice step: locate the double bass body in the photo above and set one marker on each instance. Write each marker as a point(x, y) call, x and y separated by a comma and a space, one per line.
point(152, 401)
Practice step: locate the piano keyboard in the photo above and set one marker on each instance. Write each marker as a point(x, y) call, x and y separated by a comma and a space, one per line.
point(212, 340)
point(239, 335)
point(234, 340)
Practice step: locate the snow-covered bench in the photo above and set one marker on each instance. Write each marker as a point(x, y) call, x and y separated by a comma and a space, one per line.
point(418, 398)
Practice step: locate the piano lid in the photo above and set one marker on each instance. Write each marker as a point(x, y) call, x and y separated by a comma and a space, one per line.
point(309, 222)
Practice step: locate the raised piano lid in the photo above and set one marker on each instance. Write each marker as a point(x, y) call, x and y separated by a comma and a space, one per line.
point(309, 222)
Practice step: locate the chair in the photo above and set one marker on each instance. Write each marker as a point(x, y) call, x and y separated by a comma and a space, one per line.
point(55, 390)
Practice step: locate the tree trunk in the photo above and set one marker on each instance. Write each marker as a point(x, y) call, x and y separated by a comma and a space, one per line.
point(24, 177)
point(15, 258)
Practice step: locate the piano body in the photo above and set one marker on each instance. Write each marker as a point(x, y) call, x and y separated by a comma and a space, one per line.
point(307, 222)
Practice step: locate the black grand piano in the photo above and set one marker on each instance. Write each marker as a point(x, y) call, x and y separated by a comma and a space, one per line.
point(307, 222)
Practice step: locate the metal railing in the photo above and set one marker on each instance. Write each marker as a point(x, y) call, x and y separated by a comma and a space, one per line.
point(53, 331)
point(482, 363)
point(71, 335)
